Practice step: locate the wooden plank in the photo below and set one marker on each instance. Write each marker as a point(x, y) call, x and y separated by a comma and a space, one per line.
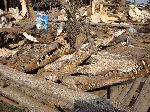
point(115, 92)
point(142, 103)
point(126, 100)
point(123, 93)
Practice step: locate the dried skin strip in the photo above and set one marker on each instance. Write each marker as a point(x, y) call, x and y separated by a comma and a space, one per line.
point(77, 58)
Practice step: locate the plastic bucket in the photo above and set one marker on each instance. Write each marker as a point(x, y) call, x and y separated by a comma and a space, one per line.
point(42, 21)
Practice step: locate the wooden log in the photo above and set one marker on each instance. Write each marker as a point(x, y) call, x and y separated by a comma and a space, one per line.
point(6, 5)
point(24, 100)
point(79, 56)
point(34, 64)
point(89, 83)
point(56, 54)
point(104, 62)
point(9, 101)
point(31, 11)
point(54, 89)
point(118, 25)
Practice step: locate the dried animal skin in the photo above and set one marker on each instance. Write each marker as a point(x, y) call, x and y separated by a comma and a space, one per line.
point(56, 65)
point(30, 55)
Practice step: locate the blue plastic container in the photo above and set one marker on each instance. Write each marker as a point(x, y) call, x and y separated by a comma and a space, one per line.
point(42, 21)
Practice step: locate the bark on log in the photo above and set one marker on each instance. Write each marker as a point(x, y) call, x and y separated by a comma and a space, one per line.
point(24, 100)
point(54, 89)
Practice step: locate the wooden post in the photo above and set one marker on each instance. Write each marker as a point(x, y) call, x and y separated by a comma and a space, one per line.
point(135, 2)
point(5, 4)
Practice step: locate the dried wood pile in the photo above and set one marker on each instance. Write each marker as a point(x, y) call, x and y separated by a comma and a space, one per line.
point(93, 58)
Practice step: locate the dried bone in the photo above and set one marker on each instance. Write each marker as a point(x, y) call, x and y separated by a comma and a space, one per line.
point(24, 100)
point(54, 89)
